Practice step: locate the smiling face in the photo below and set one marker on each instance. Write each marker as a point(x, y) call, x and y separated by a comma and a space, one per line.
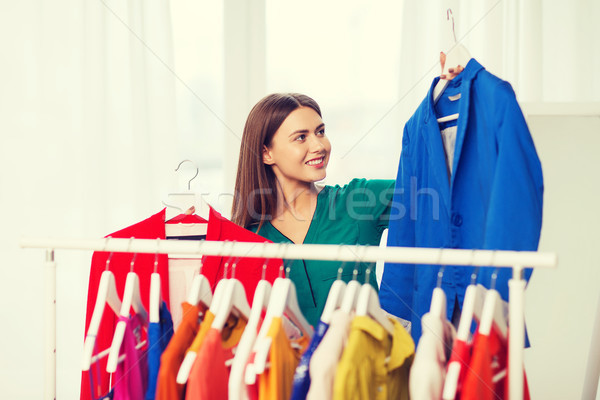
point(299, 151)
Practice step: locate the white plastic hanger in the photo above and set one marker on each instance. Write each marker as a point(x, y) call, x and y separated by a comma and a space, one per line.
point(283, 300)
point(200, 291)
point(334, 298)
point(131, 298)
point(493, 312)
point(244, 348)
point(234, 299)
point(155, 292)
point(472, 308)
point(178, 203)
point(368, 305)
point(438, 306)
point(351, 294)
point(188, 361)
point(457, 55)
point(107, 294)
point(155, 297)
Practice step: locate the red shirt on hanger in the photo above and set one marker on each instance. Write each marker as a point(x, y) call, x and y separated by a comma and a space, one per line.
point(120, 265)
point(248, 270)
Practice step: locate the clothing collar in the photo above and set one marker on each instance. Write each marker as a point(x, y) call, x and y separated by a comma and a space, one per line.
point(466, 76)
point(403, 346)
point(314, 222)
point(431, 131)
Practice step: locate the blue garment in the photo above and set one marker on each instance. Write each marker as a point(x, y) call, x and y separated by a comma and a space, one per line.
point(302, 376)
point(492, 200)
point(159, 335)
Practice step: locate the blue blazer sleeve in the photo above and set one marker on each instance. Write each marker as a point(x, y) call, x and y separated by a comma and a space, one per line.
point(514, 219)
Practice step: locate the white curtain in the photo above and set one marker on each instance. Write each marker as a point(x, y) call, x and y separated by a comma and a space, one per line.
point(87, 115)
point(548, 51)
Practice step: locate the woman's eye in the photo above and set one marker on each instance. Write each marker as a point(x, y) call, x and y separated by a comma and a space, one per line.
point(300, 137)
point(321, 132)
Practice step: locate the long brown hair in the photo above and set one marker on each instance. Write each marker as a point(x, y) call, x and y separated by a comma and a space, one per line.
point(255, 196)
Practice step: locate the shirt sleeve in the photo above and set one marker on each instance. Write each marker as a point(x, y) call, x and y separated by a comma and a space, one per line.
point(369, 201)
point(514, 221)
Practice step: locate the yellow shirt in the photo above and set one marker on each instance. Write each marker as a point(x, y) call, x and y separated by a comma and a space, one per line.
point(374, 365)
point(276, 382)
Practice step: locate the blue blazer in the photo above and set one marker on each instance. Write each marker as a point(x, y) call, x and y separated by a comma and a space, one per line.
point(493, 199)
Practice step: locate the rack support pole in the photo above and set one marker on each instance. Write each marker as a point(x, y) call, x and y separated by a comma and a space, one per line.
point(516, 337)
point(50, 326)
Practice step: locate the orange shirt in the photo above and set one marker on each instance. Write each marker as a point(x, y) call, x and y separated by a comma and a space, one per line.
point(209, 375)
point(276, 382)
point(166, 386)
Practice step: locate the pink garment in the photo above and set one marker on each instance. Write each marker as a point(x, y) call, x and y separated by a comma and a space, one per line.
point(131, 376)
point(428, 371)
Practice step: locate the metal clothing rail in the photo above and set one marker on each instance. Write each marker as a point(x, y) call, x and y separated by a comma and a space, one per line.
point(509, 259)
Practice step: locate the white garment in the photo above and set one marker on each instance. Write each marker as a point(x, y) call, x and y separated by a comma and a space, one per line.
point(181, 275)
point(428, 370)
point(182, 270)
point(449, 139)
point(324, 360)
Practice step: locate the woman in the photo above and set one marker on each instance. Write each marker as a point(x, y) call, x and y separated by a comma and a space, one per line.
point(284, 152)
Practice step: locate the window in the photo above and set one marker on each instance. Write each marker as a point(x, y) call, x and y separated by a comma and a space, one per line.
point(344, 54)
point(199, 66)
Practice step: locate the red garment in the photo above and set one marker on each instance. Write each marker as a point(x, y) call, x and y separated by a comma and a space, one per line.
point(151, 228)
point(487, 375)
point(248, 270)
point(461, 353)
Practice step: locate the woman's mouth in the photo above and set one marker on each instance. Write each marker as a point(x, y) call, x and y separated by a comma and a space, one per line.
point(316, 162)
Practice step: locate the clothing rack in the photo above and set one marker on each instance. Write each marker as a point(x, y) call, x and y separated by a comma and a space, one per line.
point(517, 260)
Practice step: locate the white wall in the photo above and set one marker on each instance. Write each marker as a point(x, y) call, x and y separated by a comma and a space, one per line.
point(51, 72)
point(561, 304)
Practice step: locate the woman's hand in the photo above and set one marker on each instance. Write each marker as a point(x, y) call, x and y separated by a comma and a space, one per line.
point(452, 72)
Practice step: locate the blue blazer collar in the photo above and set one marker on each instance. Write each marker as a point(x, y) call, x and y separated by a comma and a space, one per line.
point(432, 135)
point(468, 74)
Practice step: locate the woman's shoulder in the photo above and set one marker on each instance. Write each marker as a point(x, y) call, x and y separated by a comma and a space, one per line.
point(360, 184)
point(265, 230)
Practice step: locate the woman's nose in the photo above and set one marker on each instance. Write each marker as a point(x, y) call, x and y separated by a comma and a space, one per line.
point(315, 144)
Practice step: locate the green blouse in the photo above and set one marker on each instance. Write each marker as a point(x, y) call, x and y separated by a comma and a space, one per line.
point(355, 214)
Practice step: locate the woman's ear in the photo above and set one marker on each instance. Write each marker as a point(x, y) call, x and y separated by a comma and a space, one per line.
point(267, 159)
